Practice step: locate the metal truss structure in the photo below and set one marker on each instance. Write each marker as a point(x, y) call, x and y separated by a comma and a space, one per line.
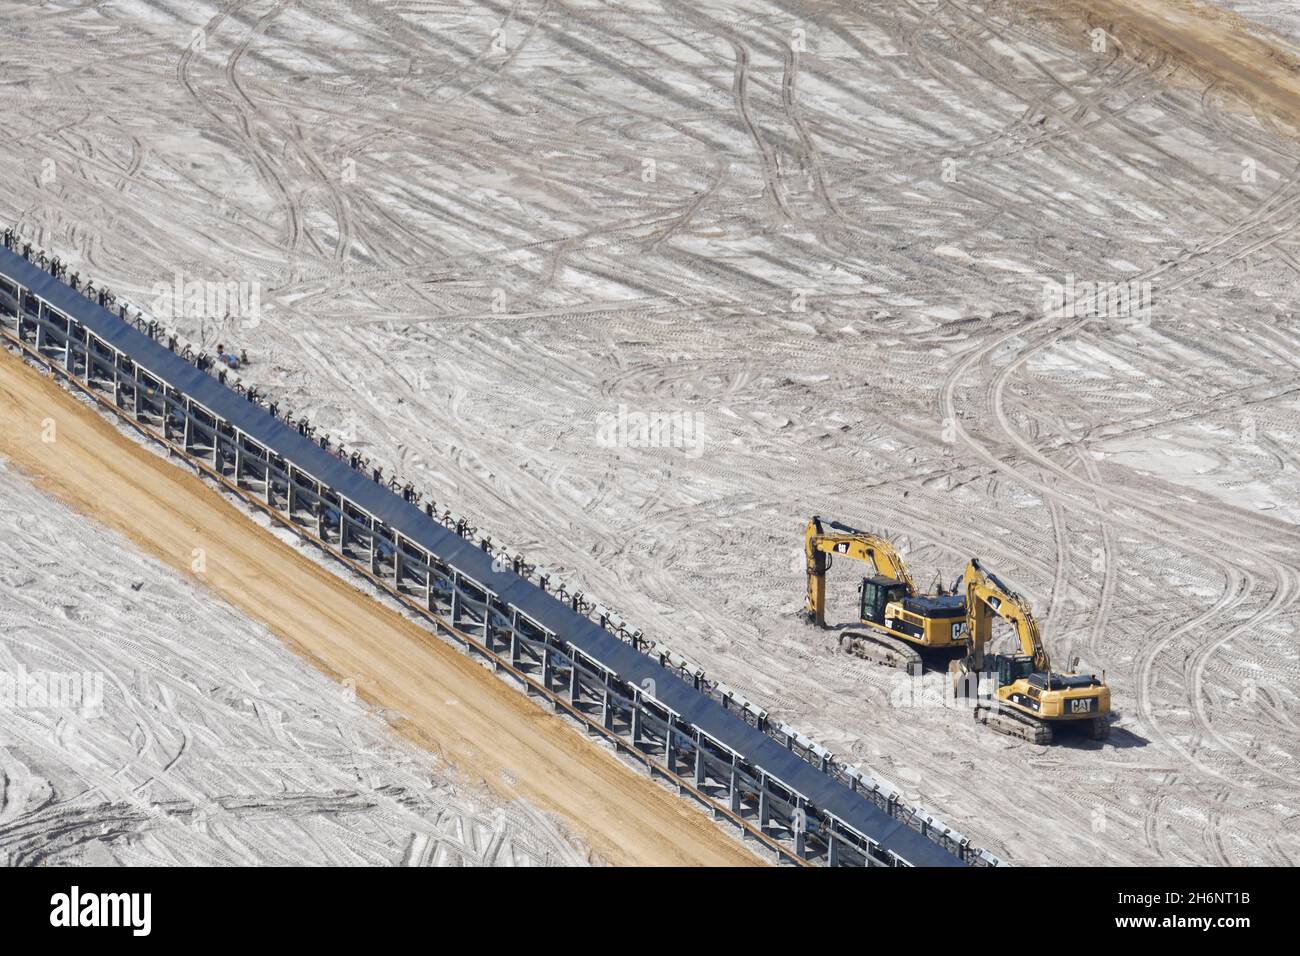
point(778, 788)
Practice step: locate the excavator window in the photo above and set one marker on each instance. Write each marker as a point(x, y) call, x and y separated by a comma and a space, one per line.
point(877, 593)
point(1012, 669)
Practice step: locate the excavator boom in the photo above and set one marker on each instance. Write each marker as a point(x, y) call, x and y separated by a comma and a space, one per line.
point(986, 595)
point(899, 621)
point(820, 543)
point(1029, 699)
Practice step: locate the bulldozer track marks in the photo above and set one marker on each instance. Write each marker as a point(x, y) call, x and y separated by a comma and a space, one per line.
point(777, 172)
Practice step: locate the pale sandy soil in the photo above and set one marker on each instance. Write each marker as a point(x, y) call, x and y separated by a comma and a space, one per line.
point(439, 697)
point(1280, 17)
point(466, 265)
point(205, 741)
point(1210, 40)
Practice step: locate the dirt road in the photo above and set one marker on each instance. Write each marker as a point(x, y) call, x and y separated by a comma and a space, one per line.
point(1255, 64)
point(448, 702)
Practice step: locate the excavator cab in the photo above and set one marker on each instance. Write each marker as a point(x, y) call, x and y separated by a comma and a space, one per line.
point(878, 593)
point(1012, 668)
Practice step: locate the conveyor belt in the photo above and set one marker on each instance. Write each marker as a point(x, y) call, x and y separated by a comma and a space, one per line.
point(411, 522)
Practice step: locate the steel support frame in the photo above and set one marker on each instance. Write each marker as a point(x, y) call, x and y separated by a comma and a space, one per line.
point(457, 606)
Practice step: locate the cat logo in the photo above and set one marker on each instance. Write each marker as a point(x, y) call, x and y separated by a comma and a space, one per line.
point(1081, 705)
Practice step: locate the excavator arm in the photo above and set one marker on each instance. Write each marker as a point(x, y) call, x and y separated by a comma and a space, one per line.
point(986, 596)
point(832, 538)
point(1029, 699)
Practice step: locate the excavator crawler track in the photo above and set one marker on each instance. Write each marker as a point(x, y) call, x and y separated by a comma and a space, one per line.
point(881, 649)
point(1013, 723)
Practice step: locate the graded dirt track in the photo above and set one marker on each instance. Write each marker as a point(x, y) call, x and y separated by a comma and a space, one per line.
point(1214, 40)
point(448, 702)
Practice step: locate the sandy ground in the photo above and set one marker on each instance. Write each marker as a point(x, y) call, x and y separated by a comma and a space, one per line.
point(820, 230)
point(1256, 64)
point(207, 741)
point(441, 698)
point(1280, 19)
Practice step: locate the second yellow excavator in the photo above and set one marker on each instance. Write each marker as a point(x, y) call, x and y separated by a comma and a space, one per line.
point(900, 620)
point(1027, 697)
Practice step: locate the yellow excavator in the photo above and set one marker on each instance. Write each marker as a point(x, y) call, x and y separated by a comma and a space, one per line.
point(900, 620)
point(1028, 698)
